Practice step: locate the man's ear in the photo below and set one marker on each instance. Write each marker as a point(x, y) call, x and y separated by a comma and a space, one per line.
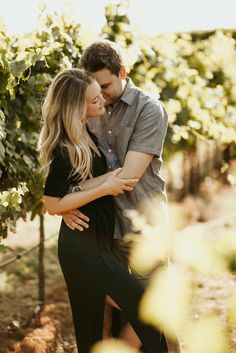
point(123, 73)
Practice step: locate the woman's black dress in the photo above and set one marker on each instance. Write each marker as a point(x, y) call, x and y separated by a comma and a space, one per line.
point(90, 268)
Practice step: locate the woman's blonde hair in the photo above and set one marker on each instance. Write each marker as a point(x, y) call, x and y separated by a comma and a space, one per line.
point(64, 121)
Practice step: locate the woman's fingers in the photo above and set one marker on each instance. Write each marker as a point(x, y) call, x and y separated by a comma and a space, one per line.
point(131, 182)
point(128, 188)
point(115, 171)
point(116, 185)
point(122, 191)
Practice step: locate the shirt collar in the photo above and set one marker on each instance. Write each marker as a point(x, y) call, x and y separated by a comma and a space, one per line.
point(129, 92)
point(127, 96)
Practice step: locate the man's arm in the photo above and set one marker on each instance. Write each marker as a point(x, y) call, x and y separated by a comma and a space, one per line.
point(147, 140)
point(135, 164)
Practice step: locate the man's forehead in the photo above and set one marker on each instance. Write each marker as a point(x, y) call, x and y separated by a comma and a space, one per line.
point(102, 76)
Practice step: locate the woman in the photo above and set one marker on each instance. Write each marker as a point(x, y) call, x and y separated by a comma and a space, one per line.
point(90, 268)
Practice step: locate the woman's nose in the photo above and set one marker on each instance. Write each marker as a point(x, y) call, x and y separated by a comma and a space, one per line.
point(102, 99)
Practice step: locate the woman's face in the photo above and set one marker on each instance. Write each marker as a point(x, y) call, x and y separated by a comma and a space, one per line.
point(95, 100)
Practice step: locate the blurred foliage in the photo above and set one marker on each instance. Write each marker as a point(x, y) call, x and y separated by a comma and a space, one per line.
point(169, 301)
point(195, 76)
point(113, 346)
point(183, 261)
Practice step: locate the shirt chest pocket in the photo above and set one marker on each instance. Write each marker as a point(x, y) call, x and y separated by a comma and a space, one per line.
point(122, 138)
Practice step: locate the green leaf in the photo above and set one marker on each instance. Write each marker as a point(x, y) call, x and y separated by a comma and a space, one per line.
point(2, 151)
point(18, 67)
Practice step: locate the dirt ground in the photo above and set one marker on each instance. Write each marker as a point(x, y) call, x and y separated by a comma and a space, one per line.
point(20, 329)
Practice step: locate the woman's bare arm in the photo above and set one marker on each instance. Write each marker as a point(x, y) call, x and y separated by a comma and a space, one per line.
point(89, 184)
point(112, 185)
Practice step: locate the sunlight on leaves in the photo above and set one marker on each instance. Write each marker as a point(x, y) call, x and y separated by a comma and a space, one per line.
point(231, 177)
point(113, 346)
point(153, 239)
point(196, 253)
point(205, 335)
point(149, 251)
point(232, 309)
point(163, 309)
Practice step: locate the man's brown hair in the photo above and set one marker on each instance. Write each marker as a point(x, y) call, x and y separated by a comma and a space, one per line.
point(100, 55)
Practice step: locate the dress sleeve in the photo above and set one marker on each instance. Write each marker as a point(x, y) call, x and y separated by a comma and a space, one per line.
point(58, 179)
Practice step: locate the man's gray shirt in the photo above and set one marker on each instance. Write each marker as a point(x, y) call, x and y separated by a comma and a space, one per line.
point(137, 123)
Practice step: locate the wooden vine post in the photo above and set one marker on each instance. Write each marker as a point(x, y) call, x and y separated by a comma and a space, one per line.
point(41, 269)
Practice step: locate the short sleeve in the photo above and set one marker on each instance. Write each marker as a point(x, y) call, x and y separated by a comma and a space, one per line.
point(150, 129)
point(57, 182)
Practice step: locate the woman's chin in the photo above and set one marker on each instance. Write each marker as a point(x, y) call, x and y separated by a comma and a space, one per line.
point(101, 112)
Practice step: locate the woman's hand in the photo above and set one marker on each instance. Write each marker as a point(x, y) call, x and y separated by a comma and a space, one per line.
point(113, 185)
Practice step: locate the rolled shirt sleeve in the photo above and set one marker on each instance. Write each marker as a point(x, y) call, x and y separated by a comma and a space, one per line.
point(150, 129)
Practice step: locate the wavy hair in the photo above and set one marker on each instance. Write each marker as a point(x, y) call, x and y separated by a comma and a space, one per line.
point(64, 121)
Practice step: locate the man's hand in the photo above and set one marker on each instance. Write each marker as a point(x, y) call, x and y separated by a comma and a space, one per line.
point(75, 220)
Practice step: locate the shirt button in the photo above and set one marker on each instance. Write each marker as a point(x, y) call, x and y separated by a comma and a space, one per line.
point(109, 150)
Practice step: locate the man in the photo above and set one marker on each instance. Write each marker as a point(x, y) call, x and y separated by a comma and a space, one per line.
point(131, 136)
